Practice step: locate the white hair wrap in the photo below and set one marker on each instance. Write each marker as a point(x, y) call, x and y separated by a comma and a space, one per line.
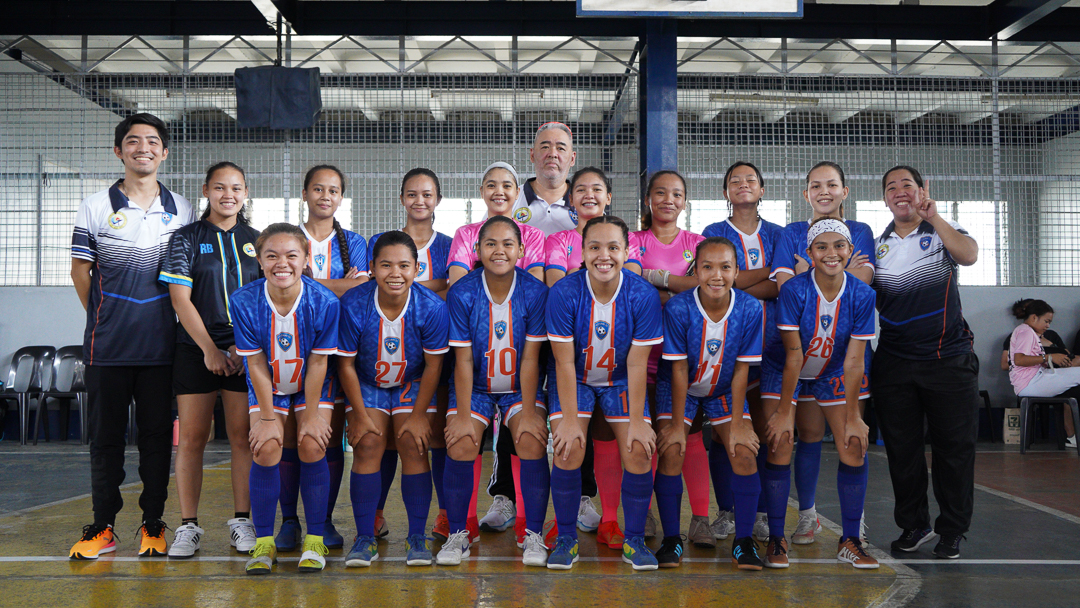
point(502, 165)
point(830, 225)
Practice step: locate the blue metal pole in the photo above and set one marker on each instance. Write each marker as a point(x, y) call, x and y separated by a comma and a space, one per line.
point(658, 111)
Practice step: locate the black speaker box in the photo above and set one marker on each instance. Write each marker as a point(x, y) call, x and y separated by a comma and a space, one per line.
point(278, 98)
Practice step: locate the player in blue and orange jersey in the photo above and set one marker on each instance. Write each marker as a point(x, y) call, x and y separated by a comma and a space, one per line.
point(711, 336)
point(497, 324)
point(826, 319)
point(392, 340)
point(286, 327)
point(602, 324)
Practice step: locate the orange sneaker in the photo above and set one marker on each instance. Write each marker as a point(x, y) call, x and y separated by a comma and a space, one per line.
point(152, 538)
point(442, 526)
point(95, 541)
point(381, 529)
point(851, 551)
point(473, 526)
point(609, 534)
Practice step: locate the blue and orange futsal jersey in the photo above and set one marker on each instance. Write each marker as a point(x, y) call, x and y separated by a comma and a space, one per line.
point(310, 328)
point(824, 327)
point(603, 333)
point(325, 259)
point(752, 251)
point(711, 348)
point(390, 352)
point(497, 332)
point(431, 259)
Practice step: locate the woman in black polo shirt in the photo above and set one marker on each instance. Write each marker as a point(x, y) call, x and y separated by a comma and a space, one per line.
point(206, 262)
point(924, 367)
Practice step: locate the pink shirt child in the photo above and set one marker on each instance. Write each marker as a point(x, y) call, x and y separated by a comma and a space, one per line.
point(463, 247)
point(1024, 341)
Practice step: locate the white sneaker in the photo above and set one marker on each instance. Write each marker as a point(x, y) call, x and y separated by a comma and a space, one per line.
point(535, 552)
point(723, 526)
point(242, 534)
point(809, 525)
point(588, 520)
point(1071, 442)
point(863, 529)
point(186, 541)
point(500, 515)
point(761, 527)
point(454, 549)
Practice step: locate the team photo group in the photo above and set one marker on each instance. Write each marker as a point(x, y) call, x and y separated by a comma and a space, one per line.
point(600, 360)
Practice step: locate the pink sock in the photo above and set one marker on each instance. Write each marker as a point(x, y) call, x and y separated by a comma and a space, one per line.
point(655, 463)
point(477, 464)
point(695, 470)
point(608, 467)
point(519, 499)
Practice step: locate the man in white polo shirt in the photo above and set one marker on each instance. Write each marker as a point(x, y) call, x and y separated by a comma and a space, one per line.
point(120, 238)
point(544, 201)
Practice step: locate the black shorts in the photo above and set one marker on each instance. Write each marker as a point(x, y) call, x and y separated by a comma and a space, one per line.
point(190, 376)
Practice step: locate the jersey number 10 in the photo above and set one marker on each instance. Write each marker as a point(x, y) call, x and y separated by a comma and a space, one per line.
point(503, 364)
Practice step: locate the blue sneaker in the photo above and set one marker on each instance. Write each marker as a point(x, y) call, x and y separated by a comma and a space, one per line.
point(331, 538)
point(419, 551)
point(289, 536)
point(565, 553)
point(364, 551)
point(635, 553)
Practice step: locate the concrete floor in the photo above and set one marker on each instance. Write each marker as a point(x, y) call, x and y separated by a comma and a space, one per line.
point(1022, 551)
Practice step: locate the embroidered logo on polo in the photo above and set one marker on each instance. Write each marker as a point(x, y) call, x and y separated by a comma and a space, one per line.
point(117, 220)
point(924, 242)
point(249, 249)
point(882, 250)
point(166, 218)
point(523, 215)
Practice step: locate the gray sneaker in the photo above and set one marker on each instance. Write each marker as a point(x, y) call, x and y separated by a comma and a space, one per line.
point(699, 532)
point(723, 526)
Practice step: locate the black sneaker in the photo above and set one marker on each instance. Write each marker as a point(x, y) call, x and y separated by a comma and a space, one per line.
point(912, 539)
point(949, 546)
point(670, 553)
point(744, 554)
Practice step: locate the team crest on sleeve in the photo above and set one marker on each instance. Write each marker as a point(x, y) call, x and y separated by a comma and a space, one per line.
point(924, 242)
point(826, 321)
point(641, 251)
point(882, 250)
point(601, 328)
point(284, 340)
point(523, 215)
point(392, 345)
point(713, 346)
point(166, 218)
point(687, 256)
point(117, 220)
point(573, 215)
point(320, 259)
point(420, 268)
point(249, 249)
point(500, 329)
point(754, 256)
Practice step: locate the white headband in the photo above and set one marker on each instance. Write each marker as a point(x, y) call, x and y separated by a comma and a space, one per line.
point(830, 225)
point(502, 165)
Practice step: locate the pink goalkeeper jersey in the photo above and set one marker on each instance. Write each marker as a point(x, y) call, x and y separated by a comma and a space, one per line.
point(463, 247)
point(563, 252)
point(675, 258)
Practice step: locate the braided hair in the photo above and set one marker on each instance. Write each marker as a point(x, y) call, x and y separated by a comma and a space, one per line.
point(339, 232)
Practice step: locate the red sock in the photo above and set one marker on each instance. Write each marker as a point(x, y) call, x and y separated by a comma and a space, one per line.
point(519, 499)
point(695, 470)
point(477, 464)
point(608, 467)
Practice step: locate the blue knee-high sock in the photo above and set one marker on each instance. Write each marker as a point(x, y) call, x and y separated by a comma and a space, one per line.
point(566, 498)
point(364, 493)
point(669, 491)
point(416, 494)
point(746, 490)
point(535, 485)
point(335, 461)
point(762, 458)
point(264, 484)
point(314, 490)
point(289, 469)
point(720, 471)
point(387, 472)
point(806, 466)
point(459, 487)
point(636, 495)
point(438, 464)
point(851, 485)
point(776, 485)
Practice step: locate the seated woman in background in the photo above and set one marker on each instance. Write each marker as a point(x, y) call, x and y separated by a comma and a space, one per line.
point(1033, 355)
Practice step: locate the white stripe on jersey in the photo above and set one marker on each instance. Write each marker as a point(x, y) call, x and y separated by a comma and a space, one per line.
point(711, 357)
point(423, 256)
point(600, 353)
point(319, 262)
point(501, 355)
point(823, 343)
point(390, 366)
point(753, 246)
point(286, 364)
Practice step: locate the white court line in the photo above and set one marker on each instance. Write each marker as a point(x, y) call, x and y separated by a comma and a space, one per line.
point(1027, 503)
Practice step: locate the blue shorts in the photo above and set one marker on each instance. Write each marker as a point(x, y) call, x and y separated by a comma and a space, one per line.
point(486, 405)
point(716, 409)
point(392, 401)
point(826, 391)
point(613, 401)
point(296, 401)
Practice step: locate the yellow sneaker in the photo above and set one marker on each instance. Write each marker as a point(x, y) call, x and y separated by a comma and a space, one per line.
point(152, 539)
point(312, 560)
point(263, 556)
point(95, 541)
